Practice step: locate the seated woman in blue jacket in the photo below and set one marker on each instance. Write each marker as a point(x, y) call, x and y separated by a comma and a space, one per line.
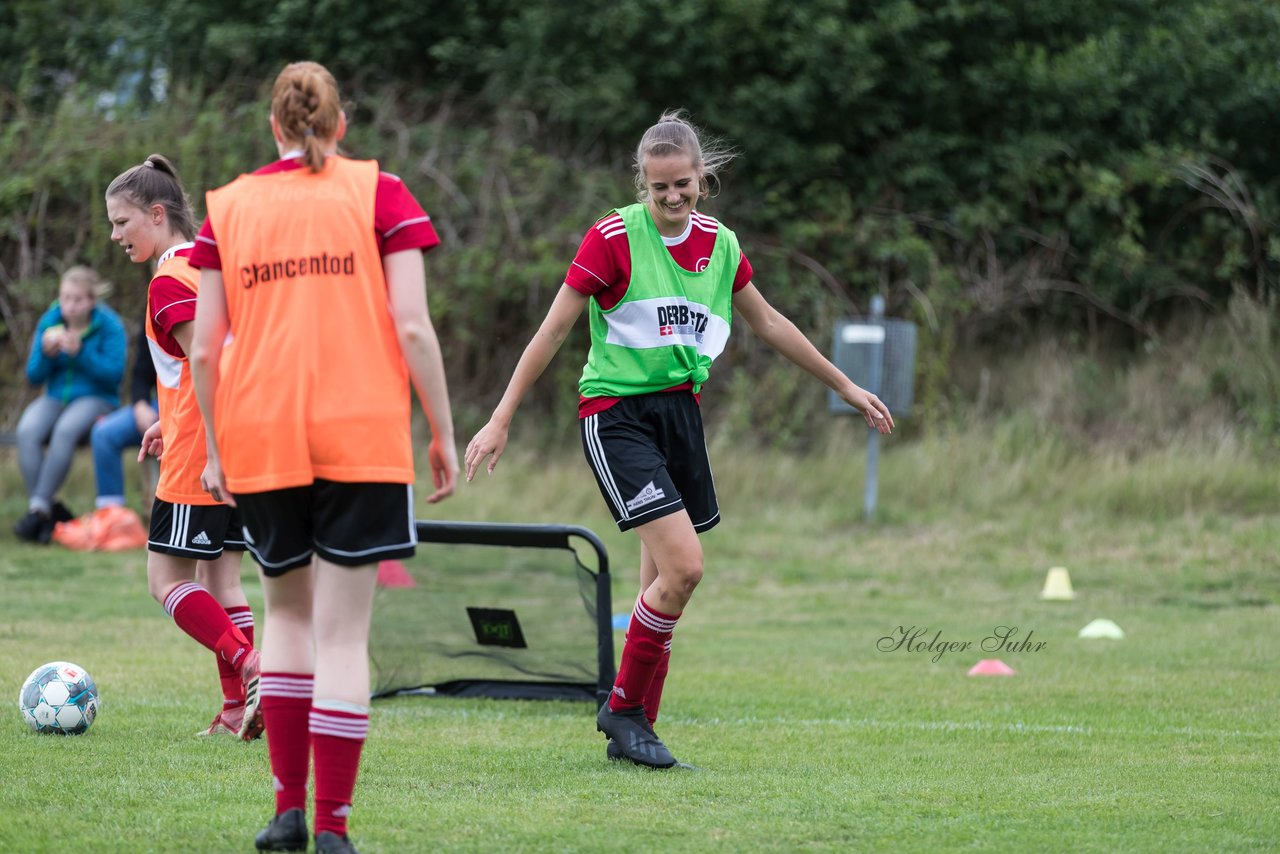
point(78, 355)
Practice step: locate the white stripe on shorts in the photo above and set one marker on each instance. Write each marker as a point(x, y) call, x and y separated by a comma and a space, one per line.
point(178, 525)
point(267, 564)
point(590, 428)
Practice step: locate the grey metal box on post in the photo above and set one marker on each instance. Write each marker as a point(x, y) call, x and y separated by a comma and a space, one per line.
point(879, 354)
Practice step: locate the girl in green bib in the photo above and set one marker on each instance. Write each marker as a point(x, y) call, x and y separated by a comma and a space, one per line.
point(661, 283)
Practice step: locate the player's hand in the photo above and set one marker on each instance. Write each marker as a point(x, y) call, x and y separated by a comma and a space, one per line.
point(443, 458)
point(876, 413)
point(214, 482)
point(152, 443)
point(144, 415)
point(51, 341)
point(71, 343)
point(492, 439)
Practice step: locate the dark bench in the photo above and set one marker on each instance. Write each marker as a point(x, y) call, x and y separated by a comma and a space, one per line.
point(149, 475)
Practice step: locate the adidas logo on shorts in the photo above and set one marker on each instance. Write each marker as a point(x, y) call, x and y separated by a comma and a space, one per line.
point(648, 495)
point(201, 539)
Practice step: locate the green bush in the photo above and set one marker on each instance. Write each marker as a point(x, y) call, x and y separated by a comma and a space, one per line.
point(997, 173)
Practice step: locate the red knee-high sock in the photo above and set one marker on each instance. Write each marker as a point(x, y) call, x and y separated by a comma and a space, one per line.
point(198, 614)
point(232, 685)
point(338, 731)
point(653, 697)
point(286, 711)
point(647, 637)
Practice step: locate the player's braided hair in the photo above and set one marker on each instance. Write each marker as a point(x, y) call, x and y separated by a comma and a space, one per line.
point(675, 134)
point(305, 103)
point(155, 181)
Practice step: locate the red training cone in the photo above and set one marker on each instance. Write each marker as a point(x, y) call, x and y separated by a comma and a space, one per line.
point(991, 667)
point(391, 573)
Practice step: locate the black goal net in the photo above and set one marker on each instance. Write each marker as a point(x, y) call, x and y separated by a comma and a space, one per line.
point(495, 610)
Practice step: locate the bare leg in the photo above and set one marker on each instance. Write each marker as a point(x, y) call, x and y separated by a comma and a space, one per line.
point(675, 551)
point(287, 645)
point(165, 572)
point(221, 577)
point(340, 708)
point(343, 610)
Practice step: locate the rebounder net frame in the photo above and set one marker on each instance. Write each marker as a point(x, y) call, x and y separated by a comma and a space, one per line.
point(476, 622)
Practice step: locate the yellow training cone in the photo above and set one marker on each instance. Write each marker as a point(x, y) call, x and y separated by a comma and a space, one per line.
point(1057, 584)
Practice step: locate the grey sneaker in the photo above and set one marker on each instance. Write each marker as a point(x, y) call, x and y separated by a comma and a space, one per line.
point(635, 739)
point(285, 832)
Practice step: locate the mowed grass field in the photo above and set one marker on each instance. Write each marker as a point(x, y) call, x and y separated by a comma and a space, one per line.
point(809, 730)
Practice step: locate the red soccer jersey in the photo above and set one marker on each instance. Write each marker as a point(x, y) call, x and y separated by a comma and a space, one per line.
point(400, 223)
point(602, 269)
point(170, 303)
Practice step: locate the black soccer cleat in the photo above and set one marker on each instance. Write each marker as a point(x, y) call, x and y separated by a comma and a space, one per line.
point(285, 832)
point(60, 512)
point(614, 754)
point(635, 738)
point(29, 527)
point(328, 842)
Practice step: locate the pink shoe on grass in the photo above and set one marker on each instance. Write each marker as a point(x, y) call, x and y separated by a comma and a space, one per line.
point(225, 722)
point(250, 670)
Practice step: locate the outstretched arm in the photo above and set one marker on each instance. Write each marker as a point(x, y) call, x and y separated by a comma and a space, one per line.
point(407, 289)
point(782, 335)
point(492, 438)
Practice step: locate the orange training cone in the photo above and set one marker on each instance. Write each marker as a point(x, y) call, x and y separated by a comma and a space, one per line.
point(391, 573)
point(991, 667)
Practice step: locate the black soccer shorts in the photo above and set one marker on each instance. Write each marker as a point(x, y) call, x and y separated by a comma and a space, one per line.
point(350, 524)
point(649, 457)
point(194, 531)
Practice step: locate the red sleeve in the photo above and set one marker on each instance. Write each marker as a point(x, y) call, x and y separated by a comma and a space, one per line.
point(170, 303)
point(591, 270)
point(205, 254)
point(742, 278)
point(399, 220)
point(602, 267)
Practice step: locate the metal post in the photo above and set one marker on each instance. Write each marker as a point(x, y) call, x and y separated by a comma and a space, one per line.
point(876, 375)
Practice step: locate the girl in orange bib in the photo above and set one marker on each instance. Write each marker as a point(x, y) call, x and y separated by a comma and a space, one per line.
point(195, 542)
point(311, 322)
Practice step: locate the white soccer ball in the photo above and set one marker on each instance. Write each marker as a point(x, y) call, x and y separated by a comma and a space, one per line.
point(59, 697)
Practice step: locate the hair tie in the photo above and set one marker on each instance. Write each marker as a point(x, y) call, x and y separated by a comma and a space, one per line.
point(148, 163)
point(309, 132)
